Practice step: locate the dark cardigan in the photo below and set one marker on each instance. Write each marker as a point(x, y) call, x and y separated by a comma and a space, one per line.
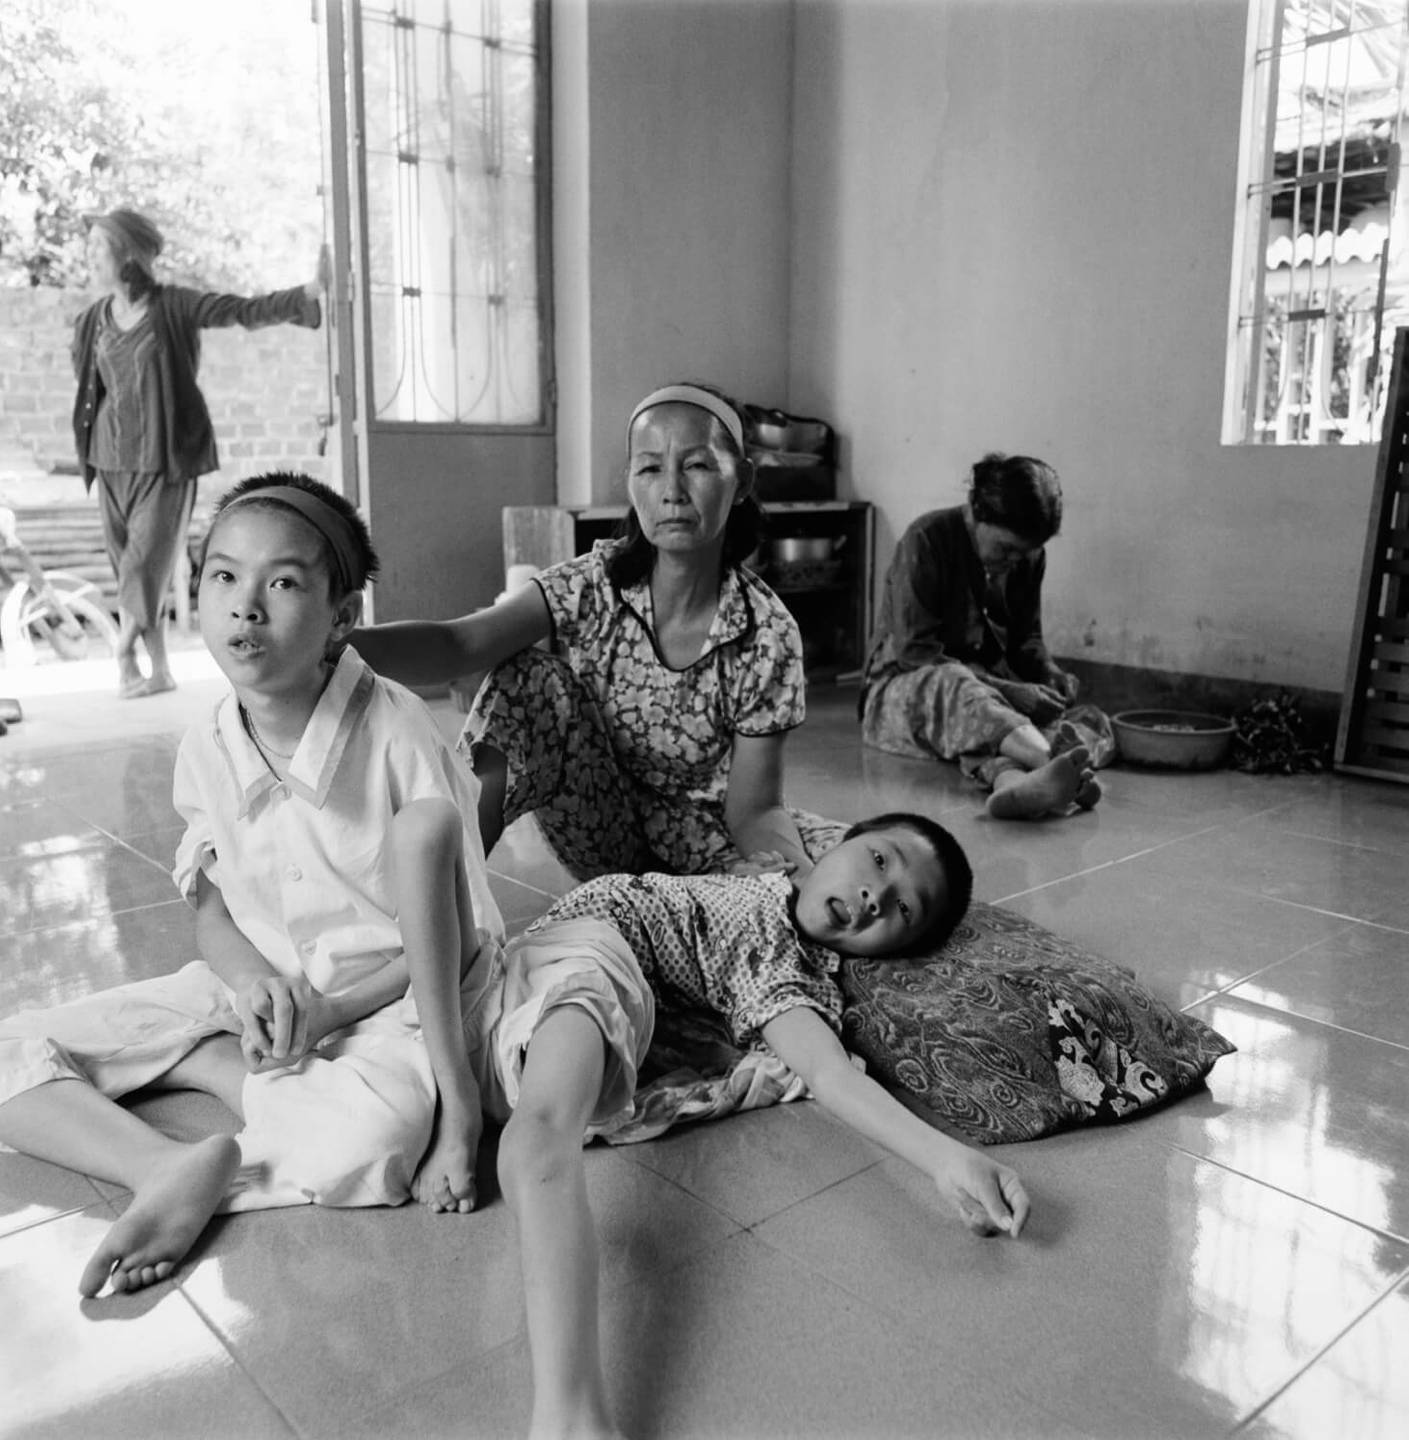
point(936, 608)
point(178, 317)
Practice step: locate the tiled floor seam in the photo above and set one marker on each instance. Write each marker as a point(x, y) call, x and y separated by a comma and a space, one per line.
point(1284, 1012)
point(1375, 1230)
point(1315, 909)
point(752, 1225)
point(1226, 990)
point(108, 915)
point(219, 1337)
point(397, 1402)
point(1316, 1359)
point(1104, 865)
point(28, 1225)
point(1332, 840)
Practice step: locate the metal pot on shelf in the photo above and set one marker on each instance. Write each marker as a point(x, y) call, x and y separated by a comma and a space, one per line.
point(803, 549)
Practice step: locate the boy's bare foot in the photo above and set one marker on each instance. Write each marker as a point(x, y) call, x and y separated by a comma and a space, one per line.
point(168, 1212)
point(1045, 791)
point(445, 1178)
point(1090, 791)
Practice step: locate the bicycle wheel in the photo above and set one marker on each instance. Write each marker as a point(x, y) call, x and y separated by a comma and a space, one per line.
point(28, 622)
point(98, 639)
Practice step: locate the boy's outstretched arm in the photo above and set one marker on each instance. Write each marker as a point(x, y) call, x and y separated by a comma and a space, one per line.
point(988, 1196)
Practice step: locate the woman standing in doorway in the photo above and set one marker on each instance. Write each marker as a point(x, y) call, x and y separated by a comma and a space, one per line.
point(140, 422)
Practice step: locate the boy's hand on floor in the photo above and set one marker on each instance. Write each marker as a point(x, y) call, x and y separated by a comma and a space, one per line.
point(989, 1197)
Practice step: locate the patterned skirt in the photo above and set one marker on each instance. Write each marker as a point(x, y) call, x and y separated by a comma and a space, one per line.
point(950, 712)
point(562, 768)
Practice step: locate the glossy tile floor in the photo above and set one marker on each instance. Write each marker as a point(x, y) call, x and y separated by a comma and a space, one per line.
point(1237, 1264)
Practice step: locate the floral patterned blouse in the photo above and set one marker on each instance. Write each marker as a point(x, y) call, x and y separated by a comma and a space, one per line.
point(673, 730)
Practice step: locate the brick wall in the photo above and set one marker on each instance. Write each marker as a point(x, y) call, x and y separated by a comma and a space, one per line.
point(265, 389)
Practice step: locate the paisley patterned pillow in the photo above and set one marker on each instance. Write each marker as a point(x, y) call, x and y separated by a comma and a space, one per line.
point(1010, 1032)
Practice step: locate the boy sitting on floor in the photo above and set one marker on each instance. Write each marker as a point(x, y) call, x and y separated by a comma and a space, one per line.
point(761, 950)
point(321, 804)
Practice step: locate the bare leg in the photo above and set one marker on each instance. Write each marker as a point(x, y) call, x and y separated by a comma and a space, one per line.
point(154, 638)
point(175, 1187)
point(1027, 745)
point(492, 772)
point(541, 1172)
point(1053, 788)
point(216, 1066)
point(437, 918)
point(129, 672)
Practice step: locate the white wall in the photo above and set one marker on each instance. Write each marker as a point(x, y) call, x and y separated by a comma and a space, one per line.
point(1012, 229)
point(672, 125)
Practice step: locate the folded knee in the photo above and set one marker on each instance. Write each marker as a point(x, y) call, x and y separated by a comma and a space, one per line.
point(537, 1149)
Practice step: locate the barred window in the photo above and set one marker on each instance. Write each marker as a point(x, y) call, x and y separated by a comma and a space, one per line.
point(453, 105)
point(1321, 251)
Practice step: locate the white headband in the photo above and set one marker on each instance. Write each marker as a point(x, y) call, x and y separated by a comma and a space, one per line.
point(722, 410)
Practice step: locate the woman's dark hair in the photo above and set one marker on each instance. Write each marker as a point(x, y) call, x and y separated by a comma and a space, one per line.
point(366, 564)
point(953, 864)
point(1020, 494)
point(139, 280)
point(743, 531)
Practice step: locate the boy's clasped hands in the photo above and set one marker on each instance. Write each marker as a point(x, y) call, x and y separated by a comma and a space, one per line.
point(284, 1018)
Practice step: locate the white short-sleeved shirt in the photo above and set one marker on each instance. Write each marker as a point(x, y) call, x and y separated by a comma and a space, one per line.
point(727, 943)
point(302, 864)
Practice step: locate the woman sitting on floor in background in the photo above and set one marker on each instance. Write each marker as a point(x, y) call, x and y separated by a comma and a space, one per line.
point(651, 738)
point(957, 667)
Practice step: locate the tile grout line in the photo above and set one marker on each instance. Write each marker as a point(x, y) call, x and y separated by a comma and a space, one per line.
point(1320, 1354)
point(1292, 1195)
point(1104, 865)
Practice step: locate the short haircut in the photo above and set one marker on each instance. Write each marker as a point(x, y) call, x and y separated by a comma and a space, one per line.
point(951, 860)
point(1018, 493)
point(364, 557)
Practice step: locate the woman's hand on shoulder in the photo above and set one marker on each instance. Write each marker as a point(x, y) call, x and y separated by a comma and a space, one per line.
point(763, 862)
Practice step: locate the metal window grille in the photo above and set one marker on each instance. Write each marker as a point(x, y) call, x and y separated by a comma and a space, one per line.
point(452, 106)
point(1321, 276)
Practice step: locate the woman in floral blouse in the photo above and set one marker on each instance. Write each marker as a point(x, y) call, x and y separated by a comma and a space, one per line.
point(650, 736)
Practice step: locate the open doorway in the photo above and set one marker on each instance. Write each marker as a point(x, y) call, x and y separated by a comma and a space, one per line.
point(204, 117)
point(439, 188)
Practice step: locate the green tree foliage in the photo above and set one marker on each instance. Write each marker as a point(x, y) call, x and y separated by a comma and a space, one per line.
point(202, 114)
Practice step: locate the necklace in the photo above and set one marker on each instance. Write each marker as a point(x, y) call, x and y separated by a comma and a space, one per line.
point(253, 731)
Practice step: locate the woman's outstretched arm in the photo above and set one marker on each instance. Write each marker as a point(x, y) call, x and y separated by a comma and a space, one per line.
point(435, 652)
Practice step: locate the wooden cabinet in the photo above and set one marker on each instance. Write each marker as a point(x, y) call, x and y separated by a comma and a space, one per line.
point(830, 595)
